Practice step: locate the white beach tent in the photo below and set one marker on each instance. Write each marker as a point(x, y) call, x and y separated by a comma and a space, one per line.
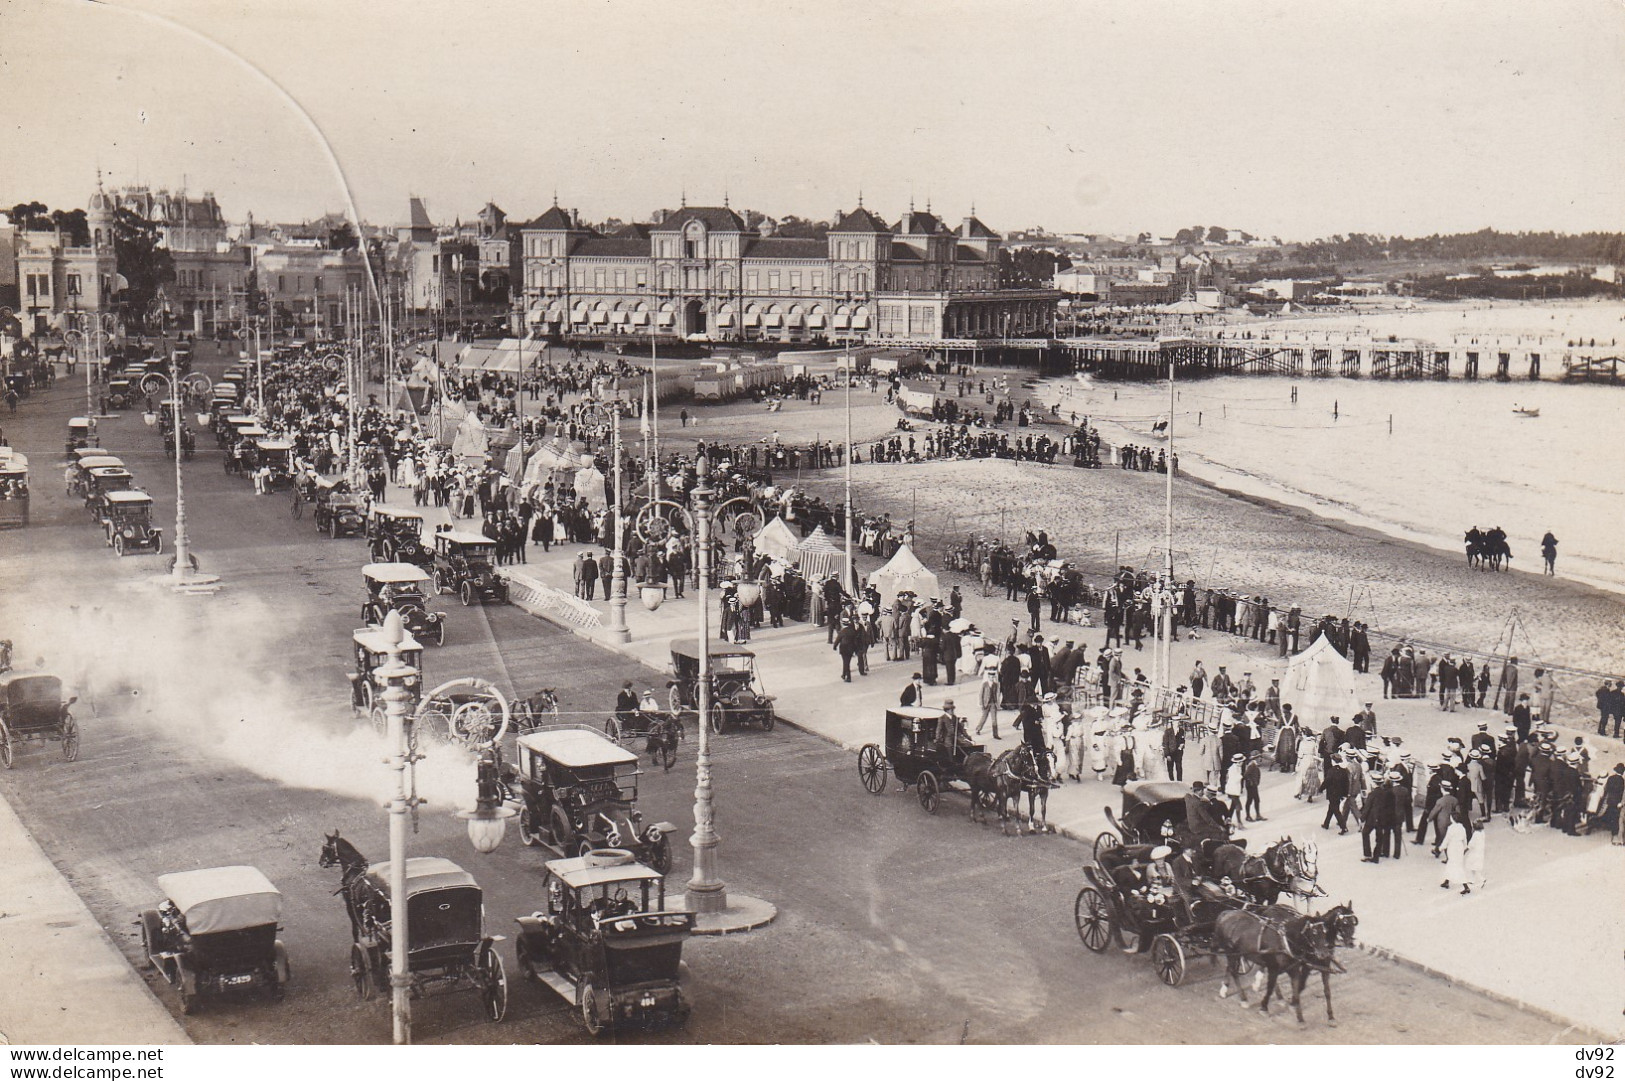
point(903, 571)
point(1320, 685)
point(775, 539)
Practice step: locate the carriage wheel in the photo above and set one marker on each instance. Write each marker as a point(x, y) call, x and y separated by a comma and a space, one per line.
point(1093, 917)
point(660, 855)
point(1105, 841)
point(361, 973)
point(589, 1010)
point(929, 791)
point(528, 834)
point(8, 753)
point(612, 728)
point(70, 740)
point(1168, 957)
point(298, 508)
point(872, 769)
point(496, 984)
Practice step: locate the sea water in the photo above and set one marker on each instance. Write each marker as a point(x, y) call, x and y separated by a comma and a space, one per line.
point(1421, 461)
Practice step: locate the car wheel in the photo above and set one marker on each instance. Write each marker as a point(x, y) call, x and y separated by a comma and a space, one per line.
point(158, 546)
point(440, 633)
point(529, 837)
point(466, 593)
point(589, 1010)
point(333, 529)
point(151, 931)
point(118, 545)
point(768, 720)
point(660, 855)
point(8, 752)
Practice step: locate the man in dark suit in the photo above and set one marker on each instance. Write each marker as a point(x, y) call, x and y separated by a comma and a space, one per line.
point(1381, 813)
point(1367, 720)
point(1331, 741)
point(914, 693)
point(1336, 785)
point(1203, 820)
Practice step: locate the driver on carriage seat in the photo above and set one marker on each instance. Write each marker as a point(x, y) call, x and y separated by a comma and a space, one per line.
point(1206, 824)
point(951, 735)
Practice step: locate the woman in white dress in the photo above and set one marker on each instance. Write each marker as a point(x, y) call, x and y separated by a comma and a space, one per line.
point(1456, 836)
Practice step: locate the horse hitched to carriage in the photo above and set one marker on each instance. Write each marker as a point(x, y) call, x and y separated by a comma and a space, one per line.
point(448, 950)
point(607, 943)
point(216, 933)
point(928, 750)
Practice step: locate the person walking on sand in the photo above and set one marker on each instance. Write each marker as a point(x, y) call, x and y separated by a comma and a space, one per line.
point(1548, 552)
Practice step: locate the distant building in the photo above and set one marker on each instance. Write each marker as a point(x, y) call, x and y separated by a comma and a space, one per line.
point(57, 281)
point(702, 271)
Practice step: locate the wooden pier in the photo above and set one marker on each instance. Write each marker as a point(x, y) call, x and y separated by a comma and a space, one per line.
point(1470, 358)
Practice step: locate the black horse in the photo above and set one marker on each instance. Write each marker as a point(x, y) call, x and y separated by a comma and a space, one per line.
point(992, 784)
point(1022, 763)
point(1488, 549)
point(1284, 867)
point(358, 900)
point(1278, 940)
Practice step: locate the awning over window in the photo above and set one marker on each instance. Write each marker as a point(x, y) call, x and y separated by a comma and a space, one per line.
point(771, 319)
point(726, 319)
point(640, 318)
point(793, 319)
point(752, 319)
point(842, 322)
point(617, 317)
point(578, 317)
point(600, 317)
point(815, 320)
point(860, 322)
point(663, 317)
point(536, 317)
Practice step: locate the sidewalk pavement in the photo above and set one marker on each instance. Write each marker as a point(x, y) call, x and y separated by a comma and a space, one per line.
point(64, 980)
point(1542, 934)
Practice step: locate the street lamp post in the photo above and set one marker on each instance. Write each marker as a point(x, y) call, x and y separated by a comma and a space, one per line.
point(706, 890)
point(395, 673)
point(851, 582)
point(617, 595)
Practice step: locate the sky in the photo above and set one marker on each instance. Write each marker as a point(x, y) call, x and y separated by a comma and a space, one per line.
point(1281, 118)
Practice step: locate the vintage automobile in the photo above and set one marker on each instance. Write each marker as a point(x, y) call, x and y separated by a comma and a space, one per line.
point(366, 690)
point(216, 933)
point(102, 481)
point(339, 512)
point(32, 710)
point(578, 791)
point(78, 434)
point(737, 694)
point(13, 489)
point(129, 524)
point(447, 948)
point(462, 565)
point(395, 535)
point(607, 942)
point(403, 588)
point(79, 472)
point(276, 455)
point(120, 393)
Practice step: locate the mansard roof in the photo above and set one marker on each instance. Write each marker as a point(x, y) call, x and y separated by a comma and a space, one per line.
point(554, 218)
point(716, 219)
point(860, 221)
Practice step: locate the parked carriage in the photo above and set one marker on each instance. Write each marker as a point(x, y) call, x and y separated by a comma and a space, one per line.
point(32, 710)
point(919, 752)
point(607, 943)
point(216, 933)
point(448, 950)
point(737, 694)
point(578, 792)
point(403, 588)
point(1153, 814)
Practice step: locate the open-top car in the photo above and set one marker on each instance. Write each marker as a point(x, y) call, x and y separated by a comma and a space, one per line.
point(607, 942)
point(216, 933)
point(366, 689)
point(737, 694)
point(129, 524)
point(339, 512)
point(404, 588)
point(395, 535)
point(462, 565)
point(578, 791)
point(32, 710)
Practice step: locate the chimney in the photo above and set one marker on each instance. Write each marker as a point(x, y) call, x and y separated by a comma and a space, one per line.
point(575, 217)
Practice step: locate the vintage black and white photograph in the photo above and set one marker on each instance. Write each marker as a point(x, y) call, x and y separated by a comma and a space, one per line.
point(834, 522)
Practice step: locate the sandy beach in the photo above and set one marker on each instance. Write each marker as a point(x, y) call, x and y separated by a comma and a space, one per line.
point(1289, 555)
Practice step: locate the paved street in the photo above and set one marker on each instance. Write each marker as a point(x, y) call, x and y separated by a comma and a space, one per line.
point(222, 734)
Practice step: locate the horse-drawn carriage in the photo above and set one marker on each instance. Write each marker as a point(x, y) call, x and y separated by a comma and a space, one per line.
point(660, 729)
point(448, 950)
point(216, 933)
point(578, 791)
point(737, 694)
point(607, 942)
point(395, 535)
point(13, 489)
point(32, 711)
point(403, 588)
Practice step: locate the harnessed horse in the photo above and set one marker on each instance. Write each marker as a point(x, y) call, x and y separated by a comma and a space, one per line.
point(1284, 867)
point(1278, 940)
point(1022, 764)
point(337, 852)
point(991, 784)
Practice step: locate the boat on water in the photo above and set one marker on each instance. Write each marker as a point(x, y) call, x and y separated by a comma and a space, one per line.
point(1520, 411)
